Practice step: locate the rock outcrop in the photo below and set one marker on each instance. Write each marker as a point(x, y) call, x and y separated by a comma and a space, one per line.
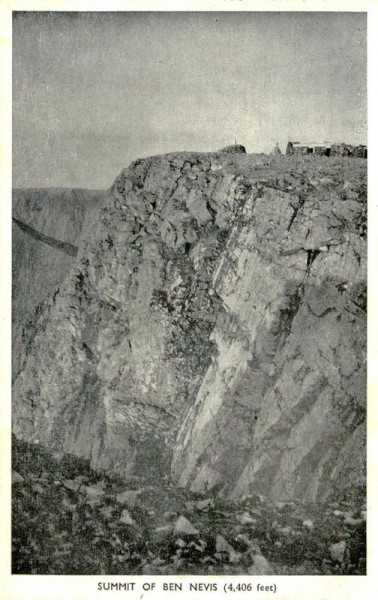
point(233, 149)
point(212, 328)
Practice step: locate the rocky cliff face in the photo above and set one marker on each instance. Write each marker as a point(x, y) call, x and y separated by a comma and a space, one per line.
point(212, 328)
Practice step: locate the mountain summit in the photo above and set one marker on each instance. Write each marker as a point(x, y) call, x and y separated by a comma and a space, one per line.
point(211, 328)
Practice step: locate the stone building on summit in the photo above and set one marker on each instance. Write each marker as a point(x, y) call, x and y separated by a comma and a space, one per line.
point(326, 149)
point(319, 148)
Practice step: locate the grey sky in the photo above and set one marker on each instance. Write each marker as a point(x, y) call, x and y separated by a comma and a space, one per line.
point(93, 91)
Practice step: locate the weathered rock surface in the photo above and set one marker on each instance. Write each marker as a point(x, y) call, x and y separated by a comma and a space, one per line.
point(212, 328)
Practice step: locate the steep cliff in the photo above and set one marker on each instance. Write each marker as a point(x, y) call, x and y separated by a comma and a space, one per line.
point(212, 328)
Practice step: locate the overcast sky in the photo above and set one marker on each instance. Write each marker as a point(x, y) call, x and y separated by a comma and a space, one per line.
point(94, 91)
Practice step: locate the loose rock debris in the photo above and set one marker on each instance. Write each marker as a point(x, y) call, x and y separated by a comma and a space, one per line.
point(60, 528)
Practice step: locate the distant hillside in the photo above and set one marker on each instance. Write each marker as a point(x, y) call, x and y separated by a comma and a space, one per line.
point(47, 227)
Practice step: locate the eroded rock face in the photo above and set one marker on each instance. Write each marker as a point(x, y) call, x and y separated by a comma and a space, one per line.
point(212, 328)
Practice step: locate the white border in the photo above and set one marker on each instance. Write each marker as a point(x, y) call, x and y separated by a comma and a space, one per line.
point(36, 587)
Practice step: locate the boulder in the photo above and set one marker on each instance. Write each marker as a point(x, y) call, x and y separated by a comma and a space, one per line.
point(16, 477)
point(184, 527)
point(126, 518)
point(337, 551)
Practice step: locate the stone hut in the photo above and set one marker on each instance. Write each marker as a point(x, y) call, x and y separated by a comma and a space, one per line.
point(318, 148)
point(326, 149)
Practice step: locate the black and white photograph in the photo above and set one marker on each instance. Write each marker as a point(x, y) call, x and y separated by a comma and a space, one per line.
point(189, 296)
